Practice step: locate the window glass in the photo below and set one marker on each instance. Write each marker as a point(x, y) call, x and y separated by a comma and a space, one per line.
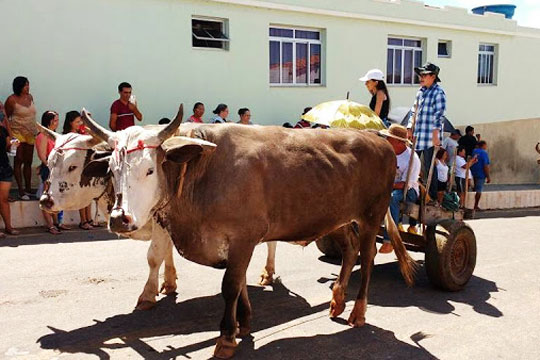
point(287, 61)
point(390, 66)
point(274, 62)
point(402, 56)
point(301, 63)
point(281, 32)
point(315, 63)
point(397, 67)
point(208, 34)
point(303, 34)
point(408, 67)
point(394, 41)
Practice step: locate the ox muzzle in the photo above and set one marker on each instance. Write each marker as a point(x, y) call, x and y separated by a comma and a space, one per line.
point(46, 201)
point(120, 221)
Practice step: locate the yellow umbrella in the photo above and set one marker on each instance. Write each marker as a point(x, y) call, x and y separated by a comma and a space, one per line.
point(344, 114)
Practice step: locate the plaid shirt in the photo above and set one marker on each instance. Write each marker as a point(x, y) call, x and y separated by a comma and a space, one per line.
point(431, 106)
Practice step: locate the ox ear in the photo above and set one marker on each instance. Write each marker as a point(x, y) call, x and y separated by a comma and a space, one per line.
point(181, 149)
point(99, 167)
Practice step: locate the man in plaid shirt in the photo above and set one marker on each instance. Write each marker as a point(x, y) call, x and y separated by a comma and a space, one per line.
point(431, 101)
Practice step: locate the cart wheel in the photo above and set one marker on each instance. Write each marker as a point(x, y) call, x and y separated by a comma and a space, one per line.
point(450, 254)
point(329, 247)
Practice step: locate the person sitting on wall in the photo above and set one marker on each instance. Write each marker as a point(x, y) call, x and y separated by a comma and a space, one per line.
point(220, 114)
point(245, 116)
point(397, 137)
point(198, 112)
point(302, 124)
point(480, 171)
point(124, 110)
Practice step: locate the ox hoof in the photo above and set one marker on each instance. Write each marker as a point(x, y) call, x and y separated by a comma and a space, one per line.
point(336, 308)
point(145, 305)
point(225, 348)
point(243, 331)
point(168, 289)
point(266, 279)
point(357, 318)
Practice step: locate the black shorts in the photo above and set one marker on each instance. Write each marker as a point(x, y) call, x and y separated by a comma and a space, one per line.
point(6, 173)
point(460, 184)
point(441, 185)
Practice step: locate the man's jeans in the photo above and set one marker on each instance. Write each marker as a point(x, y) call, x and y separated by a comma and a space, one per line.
point(395, 201)
point(428, 155)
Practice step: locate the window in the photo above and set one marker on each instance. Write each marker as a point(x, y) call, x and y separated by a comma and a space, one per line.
point(445, 49)
point(486, 64)
point(209, 33)
point(403, 55)
point(295, 56)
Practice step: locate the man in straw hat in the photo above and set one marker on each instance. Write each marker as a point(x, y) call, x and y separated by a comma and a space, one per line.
point(431, 104)
point(397, 137)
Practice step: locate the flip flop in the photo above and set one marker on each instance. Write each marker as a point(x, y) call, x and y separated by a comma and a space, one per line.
point(53, 230)
point(12, 231)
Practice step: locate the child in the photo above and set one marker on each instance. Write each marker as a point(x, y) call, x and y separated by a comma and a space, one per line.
point(461, 169)
point(442, 173)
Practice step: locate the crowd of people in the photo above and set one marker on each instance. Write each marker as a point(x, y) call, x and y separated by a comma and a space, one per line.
point(455, 156)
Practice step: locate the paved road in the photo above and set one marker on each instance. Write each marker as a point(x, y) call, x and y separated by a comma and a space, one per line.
point(72, 297)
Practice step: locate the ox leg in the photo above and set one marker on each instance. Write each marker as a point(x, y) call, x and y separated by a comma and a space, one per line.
point(169, 284)
point(267, 276)
point(243, 312)
point(231, 287)
point(156, 254)
point(368, 251)
point(349, 248)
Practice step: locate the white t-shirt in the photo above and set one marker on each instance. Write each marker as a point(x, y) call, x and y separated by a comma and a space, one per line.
point(442, 171)
point(450, 146)
point(460, 171)
point(403, 166)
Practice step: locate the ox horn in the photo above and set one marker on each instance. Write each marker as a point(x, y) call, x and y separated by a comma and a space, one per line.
point(171, 128)
point(48, 132)
point(538, 147)
point(94, 127)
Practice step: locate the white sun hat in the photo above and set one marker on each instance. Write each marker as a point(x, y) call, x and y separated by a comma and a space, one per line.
point(373, 74)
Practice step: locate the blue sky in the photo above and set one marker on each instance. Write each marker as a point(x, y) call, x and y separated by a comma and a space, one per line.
point(527, 11)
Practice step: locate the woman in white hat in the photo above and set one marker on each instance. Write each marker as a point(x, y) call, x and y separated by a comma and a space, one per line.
point(380, 100)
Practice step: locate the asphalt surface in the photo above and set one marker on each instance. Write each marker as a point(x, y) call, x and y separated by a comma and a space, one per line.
point(72, 297)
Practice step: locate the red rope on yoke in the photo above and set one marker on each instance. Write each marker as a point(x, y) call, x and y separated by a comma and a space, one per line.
point(141, 146)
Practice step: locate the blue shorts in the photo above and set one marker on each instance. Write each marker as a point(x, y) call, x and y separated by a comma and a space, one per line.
point(479, 184)
point(6, 173)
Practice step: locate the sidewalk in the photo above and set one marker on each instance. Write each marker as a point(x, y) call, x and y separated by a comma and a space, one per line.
point(507, 197)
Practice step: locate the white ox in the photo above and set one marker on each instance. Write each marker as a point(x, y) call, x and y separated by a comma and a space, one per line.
point(68, 189)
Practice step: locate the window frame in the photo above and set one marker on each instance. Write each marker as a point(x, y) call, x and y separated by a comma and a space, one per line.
point(293, 40)
point(494, 64)
point(224, 29)
point(404, 47)
point(448, 49)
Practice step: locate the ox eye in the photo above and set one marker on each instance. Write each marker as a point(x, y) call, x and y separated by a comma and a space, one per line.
point(149, 172)
point(71, 168)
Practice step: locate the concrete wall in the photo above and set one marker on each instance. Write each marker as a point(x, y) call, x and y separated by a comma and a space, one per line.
point(511, 147)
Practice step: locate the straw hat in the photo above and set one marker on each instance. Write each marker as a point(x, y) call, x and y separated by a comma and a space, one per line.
point(397, 132)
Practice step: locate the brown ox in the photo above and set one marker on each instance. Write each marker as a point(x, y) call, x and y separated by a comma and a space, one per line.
point(227, 188)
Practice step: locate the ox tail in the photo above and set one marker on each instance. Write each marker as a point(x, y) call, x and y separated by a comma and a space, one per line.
point(407, 265)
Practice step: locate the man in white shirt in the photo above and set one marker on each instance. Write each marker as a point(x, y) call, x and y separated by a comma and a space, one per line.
point(397, 137)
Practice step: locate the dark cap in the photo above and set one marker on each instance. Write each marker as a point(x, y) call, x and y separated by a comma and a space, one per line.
point(428, 68)
point(456, 132)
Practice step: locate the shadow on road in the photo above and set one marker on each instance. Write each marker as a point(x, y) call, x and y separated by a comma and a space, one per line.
point(38, 236)
point(386, 282)
point(273, 308)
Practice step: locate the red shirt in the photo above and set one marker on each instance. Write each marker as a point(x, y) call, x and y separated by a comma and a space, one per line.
point(194, 119)
point(125, 117)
